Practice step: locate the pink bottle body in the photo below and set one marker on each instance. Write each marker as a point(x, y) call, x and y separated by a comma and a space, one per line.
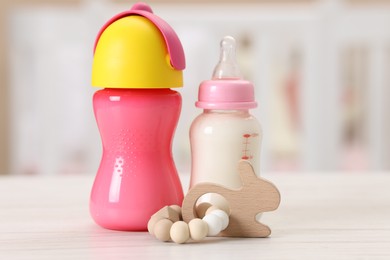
point(137, 175)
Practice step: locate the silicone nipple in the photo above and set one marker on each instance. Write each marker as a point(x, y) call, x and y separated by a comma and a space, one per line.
point(227, 67)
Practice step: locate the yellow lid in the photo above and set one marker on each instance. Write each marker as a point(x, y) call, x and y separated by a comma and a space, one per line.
point(131, 52)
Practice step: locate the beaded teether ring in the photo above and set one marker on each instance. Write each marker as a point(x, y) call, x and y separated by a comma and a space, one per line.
point(166, 224)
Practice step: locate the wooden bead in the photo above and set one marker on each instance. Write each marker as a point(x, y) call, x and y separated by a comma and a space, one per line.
point(176, 208)
point(164, 213)
point(169, 213)
point(162, 230)
point(202, 208)
point(220, 202)
point(180, 232)
point(214, 223)
point(198, 229)
point(224, 217)
point(212, 208)
point(152, 221)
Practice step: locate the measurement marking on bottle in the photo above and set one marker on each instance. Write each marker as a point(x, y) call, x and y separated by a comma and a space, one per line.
point(245, 152)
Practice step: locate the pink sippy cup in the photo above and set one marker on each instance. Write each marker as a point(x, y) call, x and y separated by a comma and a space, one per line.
point(138, 58)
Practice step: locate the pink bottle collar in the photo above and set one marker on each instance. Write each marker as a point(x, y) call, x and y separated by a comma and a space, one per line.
point(226, 94)
point(174, 47)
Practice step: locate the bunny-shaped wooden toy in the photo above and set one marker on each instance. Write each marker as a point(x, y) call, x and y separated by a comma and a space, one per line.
point(256, 195)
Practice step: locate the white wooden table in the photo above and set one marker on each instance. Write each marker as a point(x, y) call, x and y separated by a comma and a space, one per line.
point(321, 216)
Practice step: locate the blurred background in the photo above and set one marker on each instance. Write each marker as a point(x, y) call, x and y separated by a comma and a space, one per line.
point(321, 69)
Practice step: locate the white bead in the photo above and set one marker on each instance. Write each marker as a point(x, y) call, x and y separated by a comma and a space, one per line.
point(224, 217)
point(215, 224)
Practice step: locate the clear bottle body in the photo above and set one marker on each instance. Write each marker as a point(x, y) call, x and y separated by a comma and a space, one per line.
point(219, 140)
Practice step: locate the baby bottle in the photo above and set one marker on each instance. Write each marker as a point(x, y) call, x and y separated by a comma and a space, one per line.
point(138, 58)
point(225, 132)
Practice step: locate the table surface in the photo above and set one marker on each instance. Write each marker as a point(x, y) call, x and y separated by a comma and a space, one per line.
point(321, 216)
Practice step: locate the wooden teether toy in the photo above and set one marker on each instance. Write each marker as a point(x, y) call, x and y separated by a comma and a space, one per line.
point(195, 222)
point(256, 195)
